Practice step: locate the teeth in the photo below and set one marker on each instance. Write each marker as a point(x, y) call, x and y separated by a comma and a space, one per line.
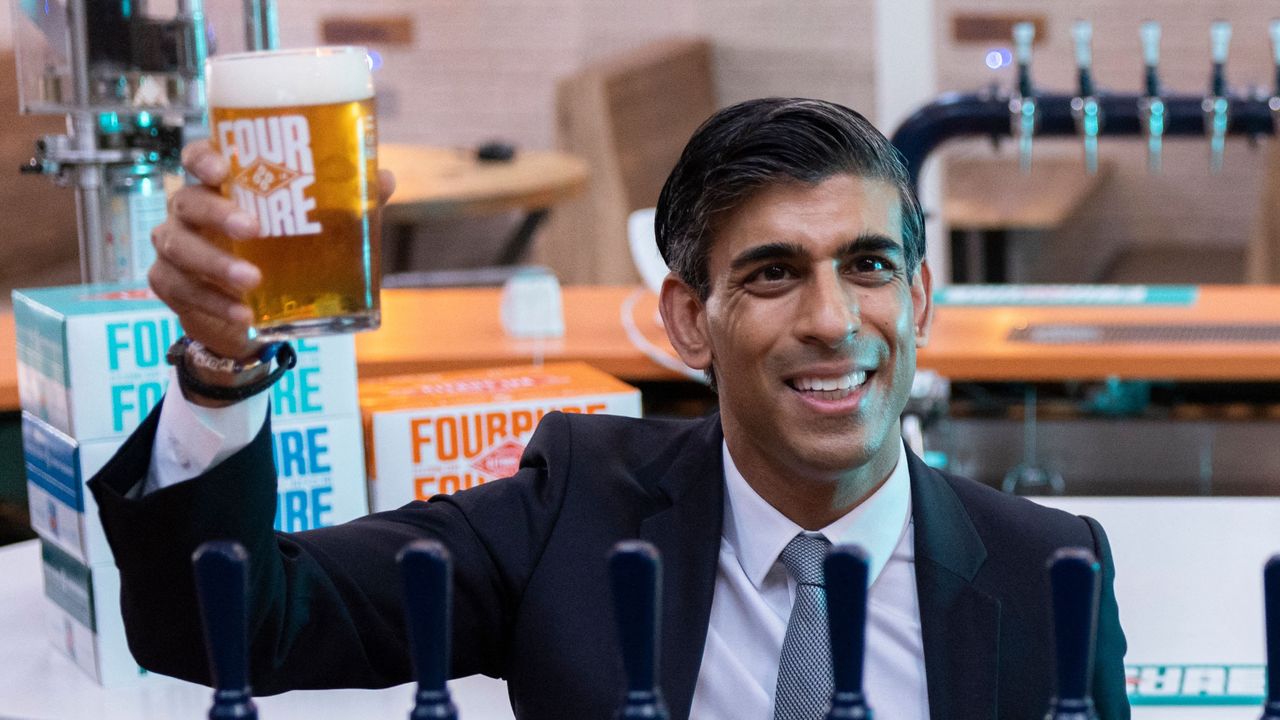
point(844, 382)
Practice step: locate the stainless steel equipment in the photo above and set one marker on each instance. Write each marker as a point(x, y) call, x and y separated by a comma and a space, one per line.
point(128, 75)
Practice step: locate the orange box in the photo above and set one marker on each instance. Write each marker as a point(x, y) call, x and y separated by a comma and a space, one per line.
point(445, 432)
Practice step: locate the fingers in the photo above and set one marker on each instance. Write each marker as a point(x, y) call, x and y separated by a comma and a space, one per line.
point(203, 161)
point(386, 186)
point(222, 337)
point(196, 258)
point(207, 312)
point(199, 207)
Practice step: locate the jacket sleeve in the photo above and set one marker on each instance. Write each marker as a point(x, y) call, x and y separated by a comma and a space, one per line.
point(325, 605)
point(1109, 689)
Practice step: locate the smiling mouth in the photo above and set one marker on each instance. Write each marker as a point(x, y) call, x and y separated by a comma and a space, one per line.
point(830, 388)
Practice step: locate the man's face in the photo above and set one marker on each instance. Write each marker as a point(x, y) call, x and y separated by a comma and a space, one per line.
point(812, 325)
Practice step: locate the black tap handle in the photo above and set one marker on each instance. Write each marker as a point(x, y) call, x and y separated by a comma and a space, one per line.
point(1073, 575)
point(846, 570)
point(221, 572)
point(427, 574)
point(635, 576)
point(1271, 590)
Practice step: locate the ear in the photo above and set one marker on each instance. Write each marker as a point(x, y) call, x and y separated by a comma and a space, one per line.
point(685, 318)
point(922, 303)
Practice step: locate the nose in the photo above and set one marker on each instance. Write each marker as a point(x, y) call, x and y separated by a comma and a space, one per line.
point(829, 313)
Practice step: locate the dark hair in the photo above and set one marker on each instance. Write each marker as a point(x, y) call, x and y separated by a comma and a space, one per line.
point(747, 146)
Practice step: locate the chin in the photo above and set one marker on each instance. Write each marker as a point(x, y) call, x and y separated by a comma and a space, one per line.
point(837, 456)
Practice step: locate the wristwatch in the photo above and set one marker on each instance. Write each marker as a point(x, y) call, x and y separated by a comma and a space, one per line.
point(212, 376)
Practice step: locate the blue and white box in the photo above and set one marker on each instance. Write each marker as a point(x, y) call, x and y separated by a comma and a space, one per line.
point(82, 618)
point(91, 361)
point(319, 464)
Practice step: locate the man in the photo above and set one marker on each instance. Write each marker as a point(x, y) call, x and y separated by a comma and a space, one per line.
point(798, 284)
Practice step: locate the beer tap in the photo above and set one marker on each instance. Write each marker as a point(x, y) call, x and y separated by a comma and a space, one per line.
point(635, 576)
point(1084, 107)
point(1073, 579)
point(1271, 618)
point(1217, 106)
point(1151, 106)
point(845, 572)
point(1022, 106)
point(426, 571)
point(221, 572)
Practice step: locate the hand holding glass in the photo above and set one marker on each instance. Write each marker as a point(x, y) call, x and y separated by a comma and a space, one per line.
point(297, 128)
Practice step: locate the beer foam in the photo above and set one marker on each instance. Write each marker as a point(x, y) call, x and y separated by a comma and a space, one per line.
point(315, 76)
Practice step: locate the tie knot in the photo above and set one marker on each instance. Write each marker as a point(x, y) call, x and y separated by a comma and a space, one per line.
point(803, 558)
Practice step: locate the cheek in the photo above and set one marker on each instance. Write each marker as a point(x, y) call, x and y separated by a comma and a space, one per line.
point(740, 331)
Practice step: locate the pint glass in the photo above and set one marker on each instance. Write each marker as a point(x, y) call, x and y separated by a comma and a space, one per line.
point(297, 128)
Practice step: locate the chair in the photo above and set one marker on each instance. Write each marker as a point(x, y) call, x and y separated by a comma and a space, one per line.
point(629, 117)
point(1262, 257)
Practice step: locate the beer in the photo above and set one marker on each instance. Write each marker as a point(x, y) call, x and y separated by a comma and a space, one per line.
point(298, 130)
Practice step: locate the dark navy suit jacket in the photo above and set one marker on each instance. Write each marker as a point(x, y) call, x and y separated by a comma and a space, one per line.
point(531, 595)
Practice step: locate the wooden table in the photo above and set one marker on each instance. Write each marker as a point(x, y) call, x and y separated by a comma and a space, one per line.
point(986, 198)
point(8, 363)
point(426, 330)
point(434, 182)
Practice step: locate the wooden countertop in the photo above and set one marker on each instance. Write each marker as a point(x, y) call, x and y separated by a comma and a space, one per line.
point(972, 343)
point(441, 182)
point(8, 363)
point(425, 330)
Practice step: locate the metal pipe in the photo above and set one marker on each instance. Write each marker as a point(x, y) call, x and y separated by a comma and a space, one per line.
point(83, 126)
point(956, 115)
point(261, 25)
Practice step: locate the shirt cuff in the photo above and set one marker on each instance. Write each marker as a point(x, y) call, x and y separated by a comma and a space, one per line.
point(191, 438)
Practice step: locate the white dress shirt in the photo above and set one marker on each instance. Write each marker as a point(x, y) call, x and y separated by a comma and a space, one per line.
point(190, 439)
point(753, 592)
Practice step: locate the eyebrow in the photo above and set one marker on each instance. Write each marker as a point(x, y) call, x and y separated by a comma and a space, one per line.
point(870, 242)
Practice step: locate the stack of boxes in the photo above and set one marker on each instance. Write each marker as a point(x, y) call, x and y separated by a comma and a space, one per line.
point(440, 433)
point(91, 366)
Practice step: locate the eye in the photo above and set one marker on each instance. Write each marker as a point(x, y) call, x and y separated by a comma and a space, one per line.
point(772, 273)
point(874, 269)
point(872, 265)
point(769, 277)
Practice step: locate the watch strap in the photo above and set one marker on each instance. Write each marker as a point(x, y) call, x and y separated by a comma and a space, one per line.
point(179, 356)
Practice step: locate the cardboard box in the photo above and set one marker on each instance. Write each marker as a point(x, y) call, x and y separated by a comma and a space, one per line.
point(91, 361)
point(82, 618)
point(444, 432)
point(319, 465)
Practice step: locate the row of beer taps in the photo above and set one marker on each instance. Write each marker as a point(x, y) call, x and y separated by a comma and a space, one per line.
point(1087, 110)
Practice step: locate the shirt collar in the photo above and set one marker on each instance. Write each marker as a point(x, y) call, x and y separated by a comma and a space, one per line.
point(757, 532)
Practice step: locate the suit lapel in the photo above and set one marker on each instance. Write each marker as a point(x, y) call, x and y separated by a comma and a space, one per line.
point(959, 623)
point(687, 533)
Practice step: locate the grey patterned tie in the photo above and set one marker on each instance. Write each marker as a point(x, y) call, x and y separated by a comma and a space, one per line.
point(804, 670)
